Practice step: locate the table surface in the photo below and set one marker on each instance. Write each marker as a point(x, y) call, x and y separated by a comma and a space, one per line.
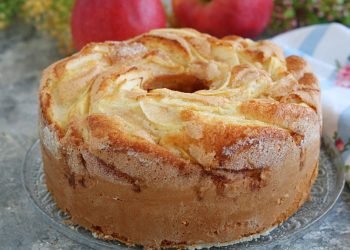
point(23, 55)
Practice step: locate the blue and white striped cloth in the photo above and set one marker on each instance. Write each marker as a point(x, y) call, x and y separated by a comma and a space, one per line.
point(327, 49)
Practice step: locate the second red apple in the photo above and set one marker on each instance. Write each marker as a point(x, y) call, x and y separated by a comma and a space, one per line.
point(247, 18)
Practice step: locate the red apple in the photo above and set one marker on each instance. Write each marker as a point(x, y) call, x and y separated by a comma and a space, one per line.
point(340, 144)
point(247, 18)
point(101, 20)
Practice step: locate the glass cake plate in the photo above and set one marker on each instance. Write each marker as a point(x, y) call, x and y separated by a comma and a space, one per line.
point(325, 192)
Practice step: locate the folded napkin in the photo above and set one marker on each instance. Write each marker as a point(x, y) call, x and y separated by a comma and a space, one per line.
point(327, 49)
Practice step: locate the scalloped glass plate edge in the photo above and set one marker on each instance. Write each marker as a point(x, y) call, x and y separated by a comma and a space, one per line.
point(331, 174)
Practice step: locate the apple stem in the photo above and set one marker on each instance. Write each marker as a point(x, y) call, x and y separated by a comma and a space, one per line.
point(206, 1)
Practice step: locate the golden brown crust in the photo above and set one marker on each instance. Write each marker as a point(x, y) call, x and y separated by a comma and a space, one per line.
point(174, 130)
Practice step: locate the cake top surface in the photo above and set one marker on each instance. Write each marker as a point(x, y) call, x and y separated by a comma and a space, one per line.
point(179, 91)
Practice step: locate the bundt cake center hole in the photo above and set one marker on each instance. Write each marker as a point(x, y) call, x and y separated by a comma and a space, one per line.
point(181, 83)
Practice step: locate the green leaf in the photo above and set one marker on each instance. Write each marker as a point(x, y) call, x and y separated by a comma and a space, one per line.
point(289, 13)
point(335, 135)
point(337, 64)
